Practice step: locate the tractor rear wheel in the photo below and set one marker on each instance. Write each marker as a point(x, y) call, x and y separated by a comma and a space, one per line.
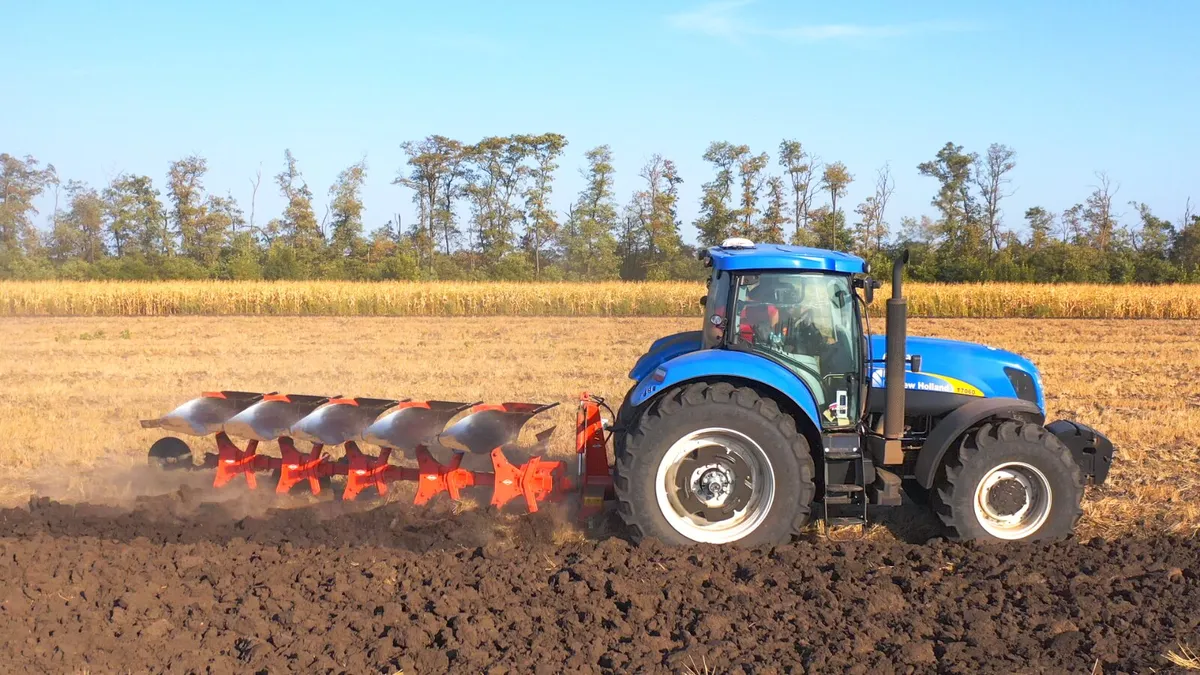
point(1009, 481)
point(715, 464)
point(625, 417)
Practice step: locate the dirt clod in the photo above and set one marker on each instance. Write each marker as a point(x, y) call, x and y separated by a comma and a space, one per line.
point(180, 585)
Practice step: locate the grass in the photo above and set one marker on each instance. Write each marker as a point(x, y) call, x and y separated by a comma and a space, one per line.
point(1185, 658)
point(71, 406)
point(661, 299)
point(701, 669)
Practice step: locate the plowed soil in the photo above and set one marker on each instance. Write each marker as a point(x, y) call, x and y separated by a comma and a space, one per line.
point(176, 584)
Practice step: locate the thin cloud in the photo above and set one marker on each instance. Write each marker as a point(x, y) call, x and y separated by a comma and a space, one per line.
point(724, 20)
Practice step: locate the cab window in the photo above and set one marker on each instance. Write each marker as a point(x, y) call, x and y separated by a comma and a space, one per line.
point(714, 308)
point(808, 322)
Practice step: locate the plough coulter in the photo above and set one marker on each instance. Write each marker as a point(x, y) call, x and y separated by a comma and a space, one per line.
point(780, 408)
point(473, 452)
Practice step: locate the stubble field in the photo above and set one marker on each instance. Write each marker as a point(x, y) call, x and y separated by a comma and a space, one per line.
point(334, 588)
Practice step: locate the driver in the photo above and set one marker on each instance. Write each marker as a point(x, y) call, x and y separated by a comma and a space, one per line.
point(759, 314)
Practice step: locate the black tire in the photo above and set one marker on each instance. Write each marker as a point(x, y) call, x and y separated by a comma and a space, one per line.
point(625, 417)
point(994, 445)
point(699, 406)
point(170, 453)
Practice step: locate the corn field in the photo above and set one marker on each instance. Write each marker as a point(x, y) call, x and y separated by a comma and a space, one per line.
point(334, 298)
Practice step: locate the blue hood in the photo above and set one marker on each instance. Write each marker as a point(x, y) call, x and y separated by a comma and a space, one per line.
point(664, 349)
point(959, 367)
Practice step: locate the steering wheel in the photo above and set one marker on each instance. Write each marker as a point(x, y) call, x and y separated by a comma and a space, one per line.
point(803, 336)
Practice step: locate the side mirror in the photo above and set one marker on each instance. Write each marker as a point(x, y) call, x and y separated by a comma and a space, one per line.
point(916, 363)
point(704, 301)
point(868, 286)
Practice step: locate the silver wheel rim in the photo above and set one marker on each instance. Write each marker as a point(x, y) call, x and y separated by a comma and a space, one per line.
point(998, 505)
point(709, 479)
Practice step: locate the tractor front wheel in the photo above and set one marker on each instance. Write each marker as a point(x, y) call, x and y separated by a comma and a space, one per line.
point(715, 464)
point(1009, 481)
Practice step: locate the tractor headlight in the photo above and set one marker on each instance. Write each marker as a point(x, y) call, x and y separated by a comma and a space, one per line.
point(1023, 384)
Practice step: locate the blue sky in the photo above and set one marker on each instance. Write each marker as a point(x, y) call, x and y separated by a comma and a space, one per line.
point(1075, 87)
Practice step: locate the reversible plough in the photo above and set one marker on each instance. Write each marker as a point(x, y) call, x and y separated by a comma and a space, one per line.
point(450, 458)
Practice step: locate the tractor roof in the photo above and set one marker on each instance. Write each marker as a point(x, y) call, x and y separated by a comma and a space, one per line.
point(780, 257)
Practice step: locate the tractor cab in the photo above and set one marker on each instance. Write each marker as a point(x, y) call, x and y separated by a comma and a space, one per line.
point(807, 320)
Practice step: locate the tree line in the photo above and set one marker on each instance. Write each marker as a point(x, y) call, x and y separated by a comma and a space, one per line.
point(483, 212)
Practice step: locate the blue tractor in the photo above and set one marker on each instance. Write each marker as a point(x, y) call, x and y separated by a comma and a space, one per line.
point(784, 402)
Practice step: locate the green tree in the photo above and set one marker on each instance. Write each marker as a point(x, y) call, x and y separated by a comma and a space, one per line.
point(959, 210)
point(185, 187)
point(770, 229)
point(631, 240)
point(1155, 234)
point(137, 221)
point(435, 165)
point(801, 169)
point(282, 263)
point(298, 227)
point(541, 225)
point(662, 189)
point(831, 229)
point(1072, 226)
point(1152, 245)
point(588, 244)
point(718, 218)
point(243, 259)
point(1098, 213)
point(750, 175)
point(346, 236)
point(1041, 227)
point(871, 231)
point(222, 217)
point(80, 233)
point(497, 178)
point(991, 177)
point(962, 241)
point(649, 243)
point(21, 182)
point(1185, 251)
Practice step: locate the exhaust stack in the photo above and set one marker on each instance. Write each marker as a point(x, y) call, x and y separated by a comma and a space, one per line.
point(897, 330)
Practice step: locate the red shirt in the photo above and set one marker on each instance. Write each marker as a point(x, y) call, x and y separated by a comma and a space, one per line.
point(754, 315)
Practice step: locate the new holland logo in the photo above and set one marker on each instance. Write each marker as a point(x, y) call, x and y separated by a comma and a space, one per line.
point(925, 381)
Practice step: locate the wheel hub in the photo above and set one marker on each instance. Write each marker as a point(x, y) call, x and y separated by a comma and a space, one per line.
point(1007, 498)
point(712, 484)
point(1013, 500)
point(716, 485)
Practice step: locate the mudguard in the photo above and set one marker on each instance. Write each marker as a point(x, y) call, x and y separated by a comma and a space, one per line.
point(1092, 450)
point(958, 422)
point(721, 363)
point(665, 349)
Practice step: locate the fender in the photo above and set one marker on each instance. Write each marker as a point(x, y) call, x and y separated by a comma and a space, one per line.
point(718, 363)
point(958, 422)
point(664, 349)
